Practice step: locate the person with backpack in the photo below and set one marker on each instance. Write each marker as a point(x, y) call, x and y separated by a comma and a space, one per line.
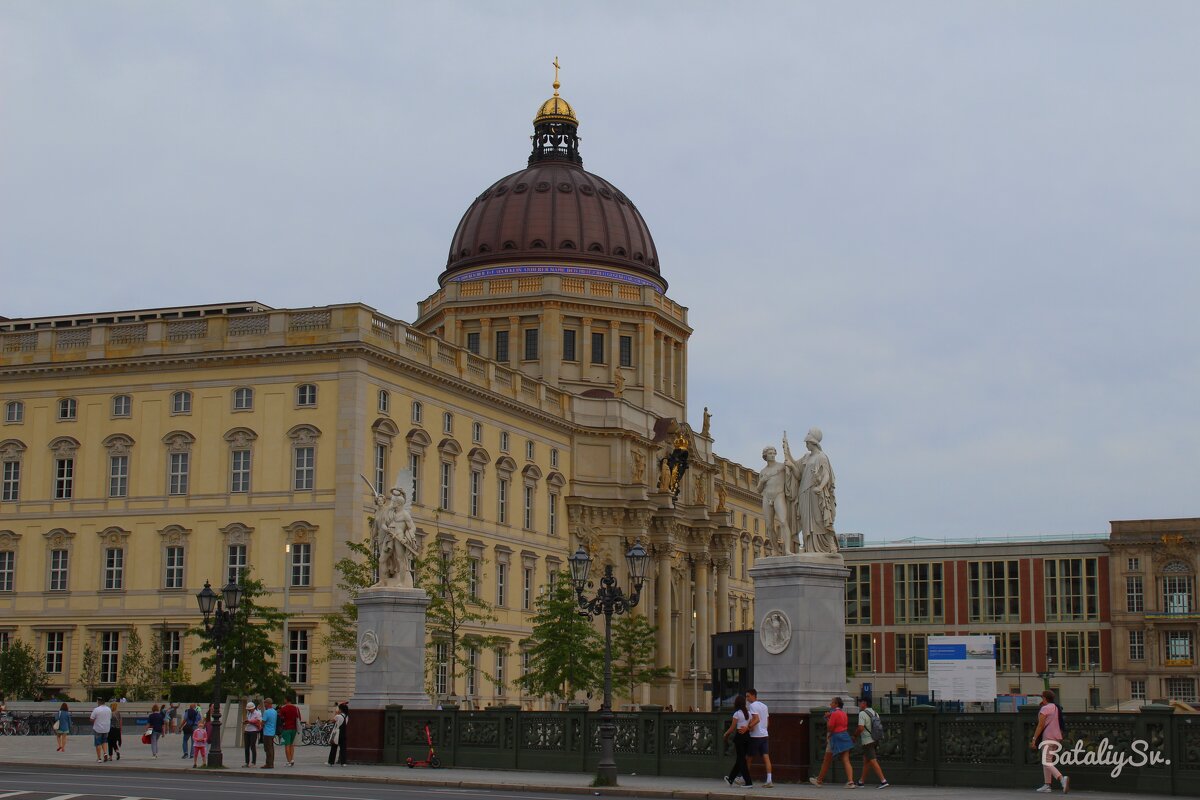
point(1048, 737)
point(870, 733)
point(191, 719)
point(739, 728)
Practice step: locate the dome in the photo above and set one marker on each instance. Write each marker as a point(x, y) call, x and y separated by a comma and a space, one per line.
point(556, 109)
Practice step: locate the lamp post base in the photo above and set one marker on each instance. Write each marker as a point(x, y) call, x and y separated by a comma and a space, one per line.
point(216, 759)
point(606, 770)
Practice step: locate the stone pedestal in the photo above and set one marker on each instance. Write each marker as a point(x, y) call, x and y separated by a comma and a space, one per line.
point(800, 630)
point(390, 668)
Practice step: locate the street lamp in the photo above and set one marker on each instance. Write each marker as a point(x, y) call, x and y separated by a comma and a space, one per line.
point(609, 600)
point(220, 626)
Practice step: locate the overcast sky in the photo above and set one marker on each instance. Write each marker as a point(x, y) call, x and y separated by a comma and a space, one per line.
point(961, 238)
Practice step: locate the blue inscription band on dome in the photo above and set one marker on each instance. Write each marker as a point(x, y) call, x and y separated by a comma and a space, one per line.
point(589, 272)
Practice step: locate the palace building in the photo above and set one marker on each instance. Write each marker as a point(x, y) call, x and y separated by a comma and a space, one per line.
point(144, 452)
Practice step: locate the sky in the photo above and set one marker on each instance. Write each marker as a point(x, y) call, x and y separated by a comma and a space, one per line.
point(960, 238)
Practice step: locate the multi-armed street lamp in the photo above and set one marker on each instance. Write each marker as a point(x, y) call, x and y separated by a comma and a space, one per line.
point(221, 625)
point(609, 600)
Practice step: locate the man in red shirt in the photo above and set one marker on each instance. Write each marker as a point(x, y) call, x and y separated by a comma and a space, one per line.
point(290, 722)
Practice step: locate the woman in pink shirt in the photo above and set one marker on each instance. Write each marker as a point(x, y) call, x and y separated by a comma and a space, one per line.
point(1049, 729)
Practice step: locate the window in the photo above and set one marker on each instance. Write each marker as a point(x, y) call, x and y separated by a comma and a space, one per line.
point(504, 441)
point(14, 411)
point(554, 458)
point(416, 412)
point(447, 423)
point(502, 345)
point(625, 344)
point(235, 562)
point(55, 645)
point(414, 464)
point(568, 345)
point(1133, 565)
point(114, 568)
point(501, 584)
point(524, 662)
point(305, 468)
point(59, 562)
point(441, 671)
point(858, 595)
point(1137, 645)
point(910, 652)
point(122, 406)
point(381, 459)
point(385, 401)
point(306, 395)
point(110, 652)
point(243, 399)
point(502, 498)
point(177, 473)
point(528, 521)
point(1179, 648)
point(67, 409)
point(1177, 592)
point(1009, 656)
point(4, 641)
point(531, 344)
point(172, 650)
point(118, 476)
point(1137, 690)
point(858, 653)
point(473, 578)
point(501, 663)
point(301, 564)
point(173, 570)
point(552, 519)
point(10, 486)
point(1072, 651)
point(446, 481)
point(181, 403)
point(1072, 589)
point(298, 655)
point(918, 592)
point(1182, 689)
point(472, 672)
point(1134, 600)
point(476, 432)
point(994, 591)
point(527, 589)
point(8, 561)
point(473, 342)
point(597, 348)
point(64, 478)
point(476, 480)
point(239, 471)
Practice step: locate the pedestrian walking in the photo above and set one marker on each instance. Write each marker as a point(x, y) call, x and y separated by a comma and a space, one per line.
point(739, 728)
point(62, 727)
point(250, 731)
point(269, 718)
point(866, 737)
point(173, 718)
point(101, 718)
point(1048, 738)
point(289, 716)
point(114, 733)
point(337, 739)
point(760, 744)
point(840, 745)
point(191, 719)
point(155, 722)
point(200, 746)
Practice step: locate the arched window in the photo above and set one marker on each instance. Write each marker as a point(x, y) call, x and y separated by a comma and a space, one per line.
point(181, 403)
point(67, 409)
point(14, 412)
point(385, 401)
point(122, 406)
point(243, 399)
point(306, 395)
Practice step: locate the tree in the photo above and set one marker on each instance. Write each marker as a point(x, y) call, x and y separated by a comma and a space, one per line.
point(566, 654)
point(341, 642)
point(634, 649)
point(89, 672)
point(21, 674)
point(451, 581)
point(134, 676)
point(250, 663)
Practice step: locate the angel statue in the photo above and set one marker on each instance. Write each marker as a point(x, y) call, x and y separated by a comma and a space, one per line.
point(394, 535)
point(812, 485)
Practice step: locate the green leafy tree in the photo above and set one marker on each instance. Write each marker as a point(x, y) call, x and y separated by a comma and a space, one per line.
point(566, 653)
point(250, 663)
point(354, 575)
point(21, 674)
point(134, 673)
point(90, 670)
point(451, 581)
point(634, 649)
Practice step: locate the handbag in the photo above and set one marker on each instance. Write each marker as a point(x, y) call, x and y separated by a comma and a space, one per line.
point(146, 737)
point(55, 727)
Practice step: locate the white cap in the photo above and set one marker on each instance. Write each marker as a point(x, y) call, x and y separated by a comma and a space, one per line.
point(249, 706)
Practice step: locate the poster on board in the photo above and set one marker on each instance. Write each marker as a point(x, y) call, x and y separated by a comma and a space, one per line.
point(963, 668)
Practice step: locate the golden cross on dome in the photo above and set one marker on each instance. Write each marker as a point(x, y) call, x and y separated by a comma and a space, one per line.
point(556, 83)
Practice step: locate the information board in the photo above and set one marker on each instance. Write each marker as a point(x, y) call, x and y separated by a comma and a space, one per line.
point(962, 668)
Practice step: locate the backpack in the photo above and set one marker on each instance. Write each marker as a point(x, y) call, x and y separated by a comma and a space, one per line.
point(877, 730)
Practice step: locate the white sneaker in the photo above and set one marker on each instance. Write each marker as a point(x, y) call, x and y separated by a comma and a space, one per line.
point(1066, 784)
point(768, 785)
point(1044, 788)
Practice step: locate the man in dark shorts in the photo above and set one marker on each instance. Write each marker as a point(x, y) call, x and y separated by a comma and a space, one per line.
point(863, 734)
point(759, 741)
point(289, 728)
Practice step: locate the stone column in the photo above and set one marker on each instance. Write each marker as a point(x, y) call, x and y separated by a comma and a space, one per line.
point(551, 342)
point(668, 366)
point(662, 602)
point(703, 604)
point(485, 337)
point(585, 331)
point(516, 348)
point(614, 349)
point(646, 368)
point(723, 622)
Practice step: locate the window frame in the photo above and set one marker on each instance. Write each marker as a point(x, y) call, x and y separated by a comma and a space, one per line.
point(181, 403)
point(306, 395)
point(243, 399)
point(68, 409)
point(14, 412)
point(121, 406)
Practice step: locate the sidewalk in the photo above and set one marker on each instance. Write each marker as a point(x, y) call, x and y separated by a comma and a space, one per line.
point(310, 763)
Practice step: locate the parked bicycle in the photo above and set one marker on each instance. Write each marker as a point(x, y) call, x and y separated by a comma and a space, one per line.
point(317, 733)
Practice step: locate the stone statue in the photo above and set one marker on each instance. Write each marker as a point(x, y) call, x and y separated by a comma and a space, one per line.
point(814, 506)
point(394, 537)
point(619, 381)
point(664, 475)
point(639, 468)
point(699, 482)
point(720, 499)
point(776, 504)
point(704, 431)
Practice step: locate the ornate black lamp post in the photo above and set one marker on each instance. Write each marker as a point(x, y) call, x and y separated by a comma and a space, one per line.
point(609, 600)
point(221, 626)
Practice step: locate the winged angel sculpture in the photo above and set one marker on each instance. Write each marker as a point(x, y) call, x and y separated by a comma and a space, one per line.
point(394, 534)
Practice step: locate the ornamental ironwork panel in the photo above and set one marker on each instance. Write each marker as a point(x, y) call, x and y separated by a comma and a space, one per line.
point(1191, 747)
point(544, 733)
point(976, 742)
point(412, 731)
point(479, 732)
point(576, 733)
point(625, 739)
point(693, 737)
point(922, 737)
point(1120, 734)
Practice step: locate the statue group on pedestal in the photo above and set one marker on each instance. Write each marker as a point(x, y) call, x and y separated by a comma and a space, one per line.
point(394, 535)
point(798, 497)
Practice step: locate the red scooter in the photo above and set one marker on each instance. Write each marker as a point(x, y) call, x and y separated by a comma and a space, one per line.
point(431, 760)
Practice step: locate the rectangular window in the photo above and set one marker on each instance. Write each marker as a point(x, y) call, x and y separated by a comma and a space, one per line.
point(502, 346)
point(447, 475)
point(1072, 589)
point(1182, 689)
point(472, 671)
point(527, 589)
point(114, 568)
point(306, 395)
point(501, 664)
point(504, 441)
point(172, 650)
point(473, 578)
point(1179, 648)
point(476, 480)
point(416, 412)
point(529, 451)
point(55, 645)
point(910, 652)
point(501, 584)
point(67, 408)
point(59, 563)
point(239, 471)
point(235, 563)
point(14, 412)
point(243, 399)
point(1134, 599)
point(181, 403)
point(1137, 645)
point(1177, 594)
point(8, 563)
point(110, 653)
point(441, 670)
point(476, 432)
point(473, 342)
point(383, 401)
point(1072, 651)
point(304, 474)
point(994, 591)
point(531, 344)
point(118, 476)
point(597, 348)
point(858, 652)
point(414, 465)
point(177, 473)
point(858, 594)
point(4, 641)
point(298, 655)
point(626, 346)
point(64, 478)
point(524, 662)
point(502, 498)
point(10, 488)
point(381, 459)
point(554, 458)
point(918, 592)
point(568, 345)
point(447, 423)
point(552, 518)
point(1133, 565)
point(122, 406)
point(1137, 690)
point(301, 564)
point(173, 574)
point(528, 521)
point(1008, 650)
